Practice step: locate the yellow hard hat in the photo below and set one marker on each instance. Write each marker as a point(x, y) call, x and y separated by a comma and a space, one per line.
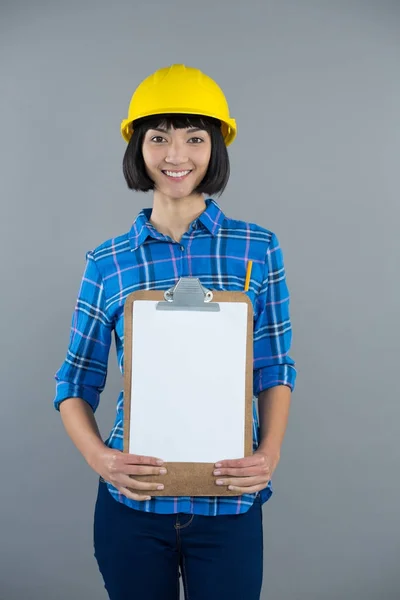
point(179, 89)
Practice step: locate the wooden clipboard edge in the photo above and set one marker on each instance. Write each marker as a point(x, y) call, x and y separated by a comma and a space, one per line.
point(177, 470)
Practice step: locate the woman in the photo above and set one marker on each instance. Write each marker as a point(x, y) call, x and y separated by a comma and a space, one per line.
point(178, 129)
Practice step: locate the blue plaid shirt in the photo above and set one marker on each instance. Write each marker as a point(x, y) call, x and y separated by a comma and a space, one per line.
point(216, 249)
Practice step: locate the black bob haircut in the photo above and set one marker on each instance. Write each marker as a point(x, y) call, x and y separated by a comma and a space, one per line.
point(217, 175)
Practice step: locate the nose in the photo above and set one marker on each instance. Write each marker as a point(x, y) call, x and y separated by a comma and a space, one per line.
point(176, 153)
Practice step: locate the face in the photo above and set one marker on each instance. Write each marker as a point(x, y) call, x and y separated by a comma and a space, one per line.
point(176, 159)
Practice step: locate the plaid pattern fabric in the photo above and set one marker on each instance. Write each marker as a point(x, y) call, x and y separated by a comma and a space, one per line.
point(216, 249)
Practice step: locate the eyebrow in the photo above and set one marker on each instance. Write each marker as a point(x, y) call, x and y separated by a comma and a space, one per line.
point(192, 130)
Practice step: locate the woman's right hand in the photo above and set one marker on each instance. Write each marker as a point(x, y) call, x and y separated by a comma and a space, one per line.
point(120, 468)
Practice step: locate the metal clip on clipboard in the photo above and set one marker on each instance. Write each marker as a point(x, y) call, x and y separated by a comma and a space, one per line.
point(188, 294)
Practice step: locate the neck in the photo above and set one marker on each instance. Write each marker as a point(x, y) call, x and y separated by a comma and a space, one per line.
point(172, 216)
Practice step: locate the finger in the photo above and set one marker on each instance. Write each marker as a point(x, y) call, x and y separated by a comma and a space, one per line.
point(242, 481)
point(132, 495)
point(246, 490)
point(238, 463)
point(243, 472)
point(140, 485)
point(135, 459)
point(142, 470)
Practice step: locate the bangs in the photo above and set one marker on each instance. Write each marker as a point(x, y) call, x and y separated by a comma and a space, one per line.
point(178, 121)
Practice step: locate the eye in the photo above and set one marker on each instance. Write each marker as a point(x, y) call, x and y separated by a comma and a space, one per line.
point(157, 139)
point(198, 140)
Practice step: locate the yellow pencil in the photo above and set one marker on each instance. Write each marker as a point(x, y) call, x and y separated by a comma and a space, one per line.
point(248, 274)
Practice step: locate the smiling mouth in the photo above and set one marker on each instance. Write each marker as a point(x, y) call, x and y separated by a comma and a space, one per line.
point(176, 175)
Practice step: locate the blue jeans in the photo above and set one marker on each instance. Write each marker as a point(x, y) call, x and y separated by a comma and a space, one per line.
point(141, 555)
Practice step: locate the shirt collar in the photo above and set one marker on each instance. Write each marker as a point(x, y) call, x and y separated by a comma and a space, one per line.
point(211, 219)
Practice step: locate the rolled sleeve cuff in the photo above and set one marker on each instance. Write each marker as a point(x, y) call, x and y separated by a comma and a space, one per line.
point(268, 377)
point(66, 390)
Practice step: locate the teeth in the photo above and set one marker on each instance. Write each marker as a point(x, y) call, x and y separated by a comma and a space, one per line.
point(176, 174)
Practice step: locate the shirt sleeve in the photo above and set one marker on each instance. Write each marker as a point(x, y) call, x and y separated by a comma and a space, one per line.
point(272, 328)
point(84, 371)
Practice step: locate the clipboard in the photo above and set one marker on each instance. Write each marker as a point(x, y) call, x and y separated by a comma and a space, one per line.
point(188, 383)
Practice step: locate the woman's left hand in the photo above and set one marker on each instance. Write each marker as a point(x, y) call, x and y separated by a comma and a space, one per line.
point(250, 474)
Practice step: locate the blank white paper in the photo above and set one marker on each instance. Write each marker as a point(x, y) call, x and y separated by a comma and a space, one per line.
point(188, 383)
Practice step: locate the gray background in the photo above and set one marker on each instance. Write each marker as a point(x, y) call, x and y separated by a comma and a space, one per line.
point(315, 89)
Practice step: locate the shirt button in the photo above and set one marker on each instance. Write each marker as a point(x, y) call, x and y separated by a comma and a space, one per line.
point(183, 248)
